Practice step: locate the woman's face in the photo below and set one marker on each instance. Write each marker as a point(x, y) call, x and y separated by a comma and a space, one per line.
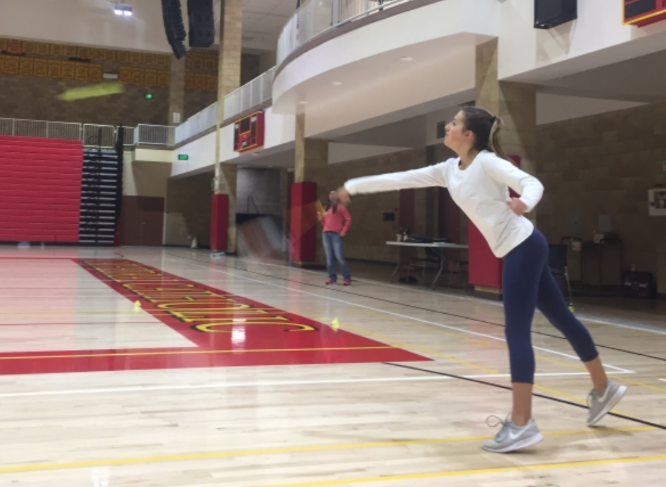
point(457, 138)
point(333, 196)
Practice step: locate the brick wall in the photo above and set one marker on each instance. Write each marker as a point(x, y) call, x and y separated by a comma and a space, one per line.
point(604, 165)
point(195, 101)
point(34, 98)
point(368, 234)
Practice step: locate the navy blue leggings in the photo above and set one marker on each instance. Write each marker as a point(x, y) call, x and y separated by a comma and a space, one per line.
point(529, 284)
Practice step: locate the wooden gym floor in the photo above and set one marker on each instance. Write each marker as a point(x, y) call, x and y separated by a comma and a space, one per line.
point(162, 367)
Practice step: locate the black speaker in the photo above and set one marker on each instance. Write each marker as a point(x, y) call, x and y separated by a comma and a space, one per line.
point(202, 23)
point(551, 13)
point(173, 26)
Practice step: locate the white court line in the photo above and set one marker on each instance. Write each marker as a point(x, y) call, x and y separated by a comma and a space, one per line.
point(407, 317)
point(619, 324)
point(230, 385)
point(222, 385)
point(584, 317)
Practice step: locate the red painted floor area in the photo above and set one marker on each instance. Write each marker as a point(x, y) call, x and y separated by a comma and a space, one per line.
point(228, 330)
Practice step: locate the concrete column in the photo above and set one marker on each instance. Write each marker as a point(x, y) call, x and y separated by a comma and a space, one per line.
point(228, 81)
point(311, 161)
point(514, 103)
point(311, 154)
point(176, 91)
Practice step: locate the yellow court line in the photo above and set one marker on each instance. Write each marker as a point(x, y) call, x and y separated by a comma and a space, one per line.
point(480, 471)
point(288, 450)
point(635, 382)
point(194, 352)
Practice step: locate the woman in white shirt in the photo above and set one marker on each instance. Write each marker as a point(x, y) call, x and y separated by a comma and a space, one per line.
point(479, 181)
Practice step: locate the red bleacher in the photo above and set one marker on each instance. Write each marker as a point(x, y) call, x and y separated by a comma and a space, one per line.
point(40, 189)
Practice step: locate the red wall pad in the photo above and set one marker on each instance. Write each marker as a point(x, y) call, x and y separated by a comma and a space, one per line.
point(303, 232)
point(219, 224)
point(485, 269)
point(40, 189)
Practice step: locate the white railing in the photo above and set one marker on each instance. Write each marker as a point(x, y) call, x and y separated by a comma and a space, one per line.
point(91, 135)
point(40, 128)
point(315, 17)
point(154, 135)
point(99, 136)
point(250, 95)
point(197, 124)
point(128, 136)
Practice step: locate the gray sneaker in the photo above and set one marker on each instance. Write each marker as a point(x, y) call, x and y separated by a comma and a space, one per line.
point(601, 402)
point(512, 437)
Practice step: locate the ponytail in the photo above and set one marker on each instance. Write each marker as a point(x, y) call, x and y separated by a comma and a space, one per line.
point(493, 140)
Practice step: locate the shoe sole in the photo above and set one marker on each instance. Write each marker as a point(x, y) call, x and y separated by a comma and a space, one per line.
point(532, 440)
point(619, 394)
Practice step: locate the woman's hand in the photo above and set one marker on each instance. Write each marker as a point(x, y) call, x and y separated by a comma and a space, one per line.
point(517, 206)
point(343, 196)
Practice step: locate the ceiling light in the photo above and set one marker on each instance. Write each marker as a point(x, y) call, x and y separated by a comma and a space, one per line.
point(302, 102)
point(406, 59)
point(336, 83)
point(121, 9)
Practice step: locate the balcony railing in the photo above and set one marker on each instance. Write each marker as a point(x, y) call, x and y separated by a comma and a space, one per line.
point(91, 135)
point(161, 135)
point(197, 124)
point(248, 96)
point(40, 128)
point(316, 17)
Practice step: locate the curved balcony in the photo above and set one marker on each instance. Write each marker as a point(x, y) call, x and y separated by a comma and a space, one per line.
point(347, 62)
point(316, 17)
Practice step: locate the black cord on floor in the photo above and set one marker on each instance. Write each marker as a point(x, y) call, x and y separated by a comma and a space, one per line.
point(550, 398)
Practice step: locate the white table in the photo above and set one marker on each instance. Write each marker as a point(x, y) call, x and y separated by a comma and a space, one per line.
point(434, 245)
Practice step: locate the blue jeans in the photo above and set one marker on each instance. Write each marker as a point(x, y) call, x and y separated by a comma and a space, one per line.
point(528, 285)
point(333, 249)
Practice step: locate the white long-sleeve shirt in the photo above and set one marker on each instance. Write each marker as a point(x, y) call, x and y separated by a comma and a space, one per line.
point(481, 191)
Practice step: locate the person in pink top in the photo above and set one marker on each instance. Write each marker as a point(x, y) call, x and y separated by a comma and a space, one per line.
point(336, 221)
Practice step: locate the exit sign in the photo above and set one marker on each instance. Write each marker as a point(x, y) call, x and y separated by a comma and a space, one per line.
point(183, 157)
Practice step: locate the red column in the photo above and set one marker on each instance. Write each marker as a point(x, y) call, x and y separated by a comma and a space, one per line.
point(303, 231)
point(485, 269)
point(219, 223)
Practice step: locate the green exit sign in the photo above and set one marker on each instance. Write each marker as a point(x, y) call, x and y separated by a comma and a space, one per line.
point(183, 157)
